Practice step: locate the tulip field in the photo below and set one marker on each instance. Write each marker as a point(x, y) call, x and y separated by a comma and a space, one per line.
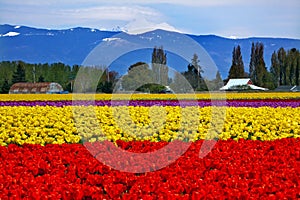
point(52, 146)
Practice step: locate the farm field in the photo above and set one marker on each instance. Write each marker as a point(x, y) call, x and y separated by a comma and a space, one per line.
point(51, 146)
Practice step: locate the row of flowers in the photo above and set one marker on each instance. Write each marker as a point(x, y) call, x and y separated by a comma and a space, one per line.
point(236, 170)
point(202, 96)
point(74, 124)
point(182, 103)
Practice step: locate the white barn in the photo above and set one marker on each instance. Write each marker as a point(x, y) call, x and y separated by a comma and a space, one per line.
point(239, 83)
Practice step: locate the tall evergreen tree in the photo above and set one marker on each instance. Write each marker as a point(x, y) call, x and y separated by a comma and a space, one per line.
point(194, 74)
point(291, 66)
point(218, 82)
point(237, 69)
point(281, 60)
point(195, 63)
point(298, 71)
point(275, 69)
point(41, 79)
point(252, 62)
point(159, 61)
point(5, 87)
point(19, 74)
point(197, 70)
point(258, 71)
point(191, 76)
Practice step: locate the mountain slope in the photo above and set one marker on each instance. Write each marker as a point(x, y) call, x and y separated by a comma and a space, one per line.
point(32, 45)
point(71, 46)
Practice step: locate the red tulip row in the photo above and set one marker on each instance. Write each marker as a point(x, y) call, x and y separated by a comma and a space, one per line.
point(244, 169)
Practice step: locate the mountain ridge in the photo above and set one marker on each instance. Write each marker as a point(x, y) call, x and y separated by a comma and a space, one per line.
point(72, 45)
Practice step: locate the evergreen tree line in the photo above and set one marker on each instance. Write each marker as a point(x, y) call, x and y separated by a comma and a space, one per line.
point(19, 71)
point(157, 76)
point(141, 77)
point(284, 69)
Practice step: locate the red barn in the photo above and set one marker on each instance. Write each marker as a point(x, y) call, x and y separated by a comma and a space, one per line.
point(35, 88)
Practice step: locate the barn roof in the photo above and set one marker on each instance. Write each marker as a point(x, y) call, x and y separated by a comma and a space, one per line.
point(295, 88)
point(43, 87)
point(287, 88)
point(239, 82)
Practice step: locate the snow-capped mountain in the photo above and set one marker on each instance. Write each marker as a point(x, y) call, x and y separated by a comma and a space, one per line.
point(33, 45)
point(72, 46)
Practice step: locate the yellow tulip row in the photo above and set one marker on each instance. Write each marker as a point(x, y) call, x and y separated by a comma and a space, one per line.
point(206, 95)
point(57, 125)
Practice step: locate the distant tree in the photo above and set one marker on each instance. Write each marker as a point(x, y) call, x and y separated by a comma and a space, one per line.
point(275, 69)
point(298, 71)
point(41, 79)
point(198, 70)
point(85, 80)
point(218, 82)
point(237, 67)
point(252, 62)
point(195, 64)
point(159, 68)
point(258, 70)
point(107, 81)
point(6, 71)
point(281, 55)
point(138, 75)
point(181, 84)
point(19, 74)
point(291, 66)
point(287, 66)
point(105, 87)
point(71, 78)
point(5, 87)
point(191, 76)
point(159, 56)
point(194, 74)
point(136, 65)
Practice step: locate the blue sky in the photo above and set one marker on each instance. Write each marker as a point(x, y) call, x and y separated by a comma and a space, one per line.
point(228, 18)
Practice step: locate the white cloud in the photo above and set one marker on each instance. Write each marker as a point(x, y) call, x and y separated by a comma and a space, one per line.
point(136, 17)
point(193, 3)
point(102, 17)
point(124, 13)
point(219, 17)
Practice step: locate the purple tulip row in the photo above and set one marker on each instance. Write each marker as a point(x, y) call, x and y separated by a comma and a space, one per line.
point(182, 103)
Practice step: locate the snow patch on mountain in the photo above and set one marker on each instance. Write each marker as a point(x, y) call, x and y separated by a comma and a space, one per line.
point(10, 34)
point(233, 37)
point(110, 39)
point(139, 26)
point(50, 34)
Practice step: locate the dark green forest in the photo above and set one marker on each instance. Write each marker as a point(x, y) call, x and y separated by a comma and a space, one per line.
point(284, 70)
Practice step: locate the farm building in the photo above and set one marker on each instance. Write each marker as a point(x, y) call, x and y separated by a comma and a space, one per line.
point(241, 84)
point(35, 88)
point(295, 88)
point(288, 88)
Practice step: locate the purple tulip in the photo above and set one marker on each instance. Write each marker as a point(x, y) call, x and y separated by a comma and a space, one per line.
point(183, 103)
